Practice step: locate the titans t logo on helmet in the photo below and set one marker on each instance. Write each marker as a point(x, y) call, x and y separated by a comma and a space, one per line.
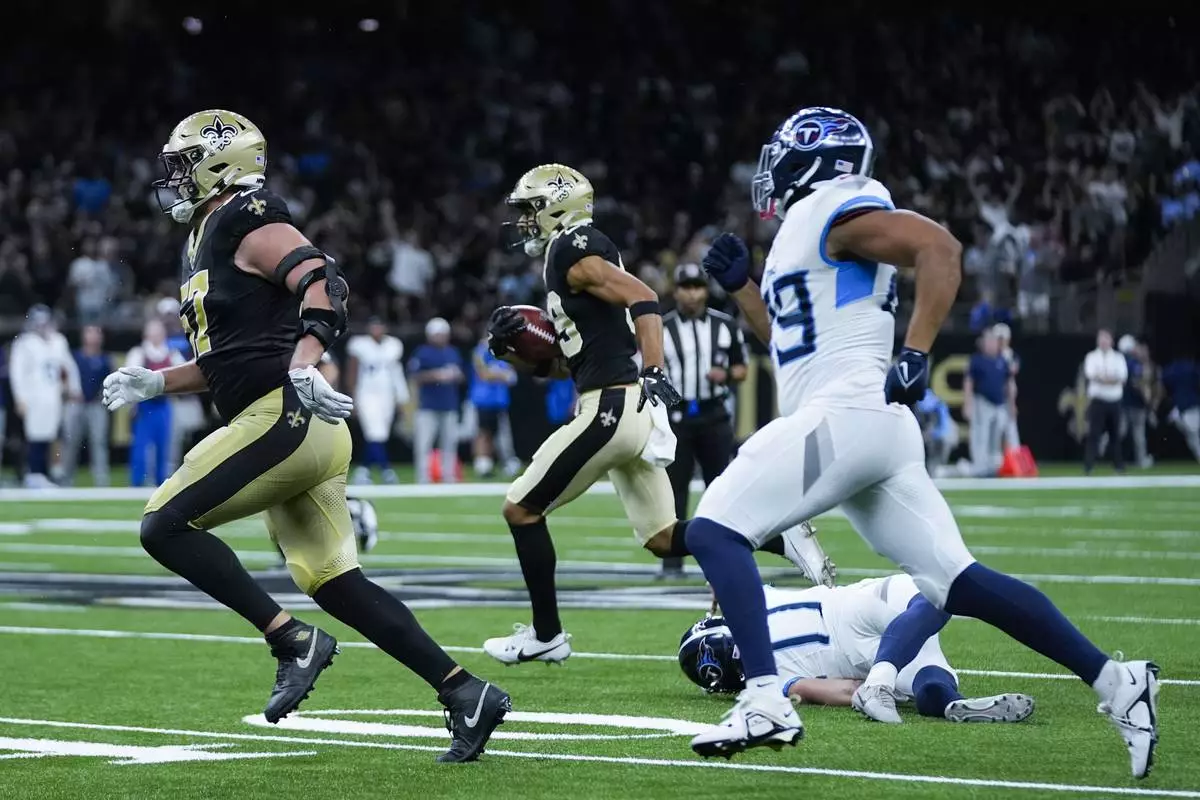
point(812, 132)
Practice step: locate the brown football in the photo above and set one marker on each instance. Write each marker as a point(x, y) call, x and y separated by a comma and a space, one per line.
point(538, 342)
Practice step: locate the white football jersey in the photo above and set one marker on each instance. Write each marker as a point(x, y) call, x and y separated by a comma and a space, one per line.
point(832, 322)
point(380, 370)
point(41, 368)
point(801, 635)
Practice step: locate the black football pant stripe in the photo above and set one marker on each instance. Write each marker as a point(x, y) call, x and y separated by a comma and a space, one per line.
point(576, 455)
point(242, 468)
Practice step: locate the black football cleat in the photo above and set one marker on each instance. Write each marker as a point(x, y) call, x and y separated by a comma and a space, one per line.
point(473, 711)
point(302, 658)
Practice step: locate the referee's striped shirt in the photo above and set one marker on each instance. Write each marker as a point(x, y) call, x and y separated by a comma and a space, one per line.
point(694, 345)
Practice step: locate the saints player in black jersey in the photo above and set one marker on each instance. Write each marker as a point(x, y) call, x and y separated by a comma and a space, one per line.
point(261, 305)
point(603, 316)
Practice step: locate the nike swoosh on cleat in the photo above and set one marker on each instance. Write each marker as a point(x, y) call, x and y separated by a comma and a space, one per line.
point(473, 720)
point(304, 663)
point(522, 656)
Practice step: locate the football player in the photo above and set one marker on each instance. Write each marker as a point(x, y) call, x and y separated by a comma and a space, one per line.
point(41, 371)
point(604, 316)
point(380, 392)
point(825, 642)
point(261, 305)
point(847, 437)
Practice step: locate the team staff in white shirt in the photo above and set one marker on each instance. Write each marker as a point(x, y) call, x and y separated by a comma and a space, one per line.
point(376, 377)
point(41, 371)
point(1106, 372)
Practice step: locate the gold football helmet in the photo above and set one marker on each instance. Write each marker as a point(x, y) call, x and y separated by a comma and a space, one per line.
point(207, 153)
point(550, 197)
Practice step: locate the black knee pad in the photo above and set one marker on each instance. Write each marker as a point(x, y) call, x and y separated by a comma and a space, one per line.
point(159, 526)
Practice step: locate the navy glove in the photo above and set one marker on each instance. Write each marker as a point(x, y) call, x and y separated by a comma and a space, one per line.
point(908, 378)
point(506, 322)
point(728, 262)
point(656, 388)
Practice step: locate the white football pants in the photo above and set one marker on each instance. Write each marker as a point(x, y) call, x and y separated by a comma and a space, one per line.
point(868, 461)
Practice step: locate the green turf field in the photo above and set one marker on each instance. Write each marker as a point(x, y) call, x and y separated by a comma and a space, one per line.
point(120, 683)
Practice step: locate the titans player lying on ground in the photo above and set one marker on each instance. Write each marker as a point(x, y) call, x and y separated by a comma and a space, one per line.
point(847, 437)
point(825, 643)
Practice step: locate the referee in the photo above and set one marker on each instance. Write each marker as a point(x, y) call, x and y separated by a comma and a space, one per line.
point(705, 356)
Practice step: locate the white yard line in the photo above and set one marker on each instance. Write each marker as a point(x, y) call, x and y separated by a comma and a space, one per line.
point(606, 488)
point(106, 633)
point(887, 777)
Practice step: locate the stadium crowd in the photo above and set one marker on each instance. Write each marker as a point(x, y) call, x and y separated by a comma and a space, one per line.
point(1041, 149)
point(1051, 154)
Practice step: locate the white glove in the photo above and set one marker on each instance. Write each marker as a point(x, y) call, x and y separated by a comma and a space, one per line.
point(318, 396)
point(130, 385)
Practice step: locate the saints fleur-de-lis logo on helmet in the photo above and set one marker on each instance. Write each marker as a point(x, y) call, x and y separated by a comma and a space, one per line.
point(218, 133)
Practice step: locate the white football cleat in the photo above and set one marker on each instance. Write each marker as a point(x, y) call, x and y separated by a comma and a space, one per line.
point(801, 547)
point(757, 719)
point(1133, 710)
point(999, 708)
point(523, 645)
point(876, 701)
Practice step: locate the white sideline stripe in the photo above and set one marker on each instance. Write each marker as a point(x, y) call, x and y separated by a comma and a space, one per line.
point(103, 633)
point(616, 567)
point(606, 488)
point(893, 777)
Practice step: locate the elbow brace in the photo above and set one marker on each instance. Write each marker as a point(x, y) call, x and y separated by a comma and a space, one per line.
point(326, 325)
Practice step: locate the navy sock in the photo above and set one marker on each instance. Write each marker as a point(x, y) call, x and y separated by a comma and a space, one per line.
point(1027, 615)
point(934, 689)
point(39, 458)
point(727, 559)
point(377, 454)
point(907, 633)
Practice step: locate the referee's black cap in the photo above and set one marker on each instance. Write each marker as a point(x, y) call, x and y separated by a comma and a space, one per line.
point(690, 275)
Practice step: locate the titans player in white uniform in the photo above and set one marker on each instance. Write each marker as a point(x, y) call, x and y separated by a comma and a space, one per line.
point(847, 437)
point(826, 641)
point(379, 391)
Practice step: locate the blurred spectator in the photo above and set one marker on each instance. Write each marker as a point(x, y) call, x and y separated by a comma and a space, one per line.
point(1012, 435)
point(1181, 380)
point(437, 369)
point(1106, 373)
point(988, 390)
point(42, 373)
point(940, 432)
point(490, 382)
point(1137, 398)
point(93, 276)
point(376, 378)
point(151, 418)
point(87, 418)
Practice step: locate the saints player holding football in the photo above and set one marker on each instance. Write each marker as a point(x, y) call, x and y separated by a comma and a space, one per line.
point(603, 316)
point(260, 305)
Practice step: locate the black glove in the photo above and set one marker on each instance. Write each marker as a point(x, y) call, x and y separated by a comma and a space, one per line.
point(656, 387)
point(908, 378)
point(506, 322)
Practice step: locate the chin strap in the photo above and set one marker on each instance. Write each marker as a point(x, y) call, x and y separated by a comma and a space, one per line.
point(326, 325)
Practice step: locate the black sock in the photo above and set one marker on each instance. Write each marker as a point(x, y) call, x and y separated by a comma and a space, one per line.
point(369, 609)
point(679, 546)
point(208, 564)
point(280, 634)
point(456, 680)
point(774, 545)
point(535, 551)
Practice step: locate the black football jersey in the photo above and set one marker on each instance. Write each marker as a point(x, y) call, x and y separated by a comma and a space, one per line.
point(242, 328)
point(595, 336)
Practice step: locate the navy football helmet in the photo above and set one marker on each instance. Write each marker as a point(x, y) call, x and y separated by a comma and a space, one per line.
point(814, 144)
point(710, 658)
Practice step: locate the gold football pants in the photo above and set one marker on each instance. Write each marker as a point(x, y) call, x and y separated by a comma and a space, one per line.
point(274, 457)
